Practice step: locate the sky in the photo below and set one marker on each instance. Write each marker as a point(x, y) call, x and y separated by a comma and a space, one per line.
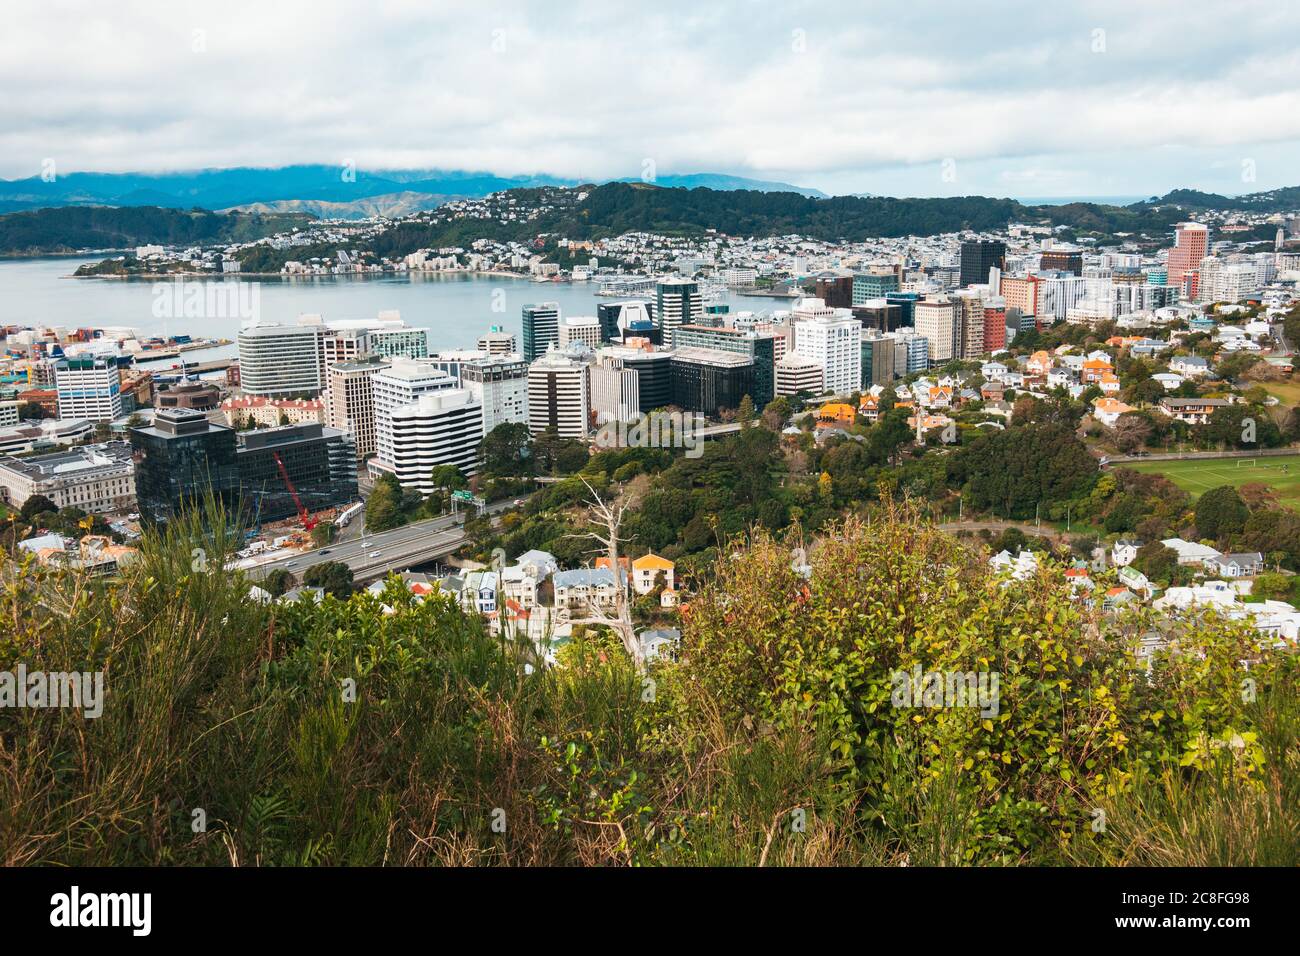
point(909, 99)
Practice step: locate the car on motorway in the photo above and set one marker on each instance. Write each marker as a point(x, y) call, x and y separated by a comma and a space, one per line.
point(323, 553)
point(375, 554)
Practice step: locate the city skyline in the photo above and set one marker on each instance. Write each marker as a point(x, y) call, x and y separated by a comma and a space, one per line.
point(1025, 103)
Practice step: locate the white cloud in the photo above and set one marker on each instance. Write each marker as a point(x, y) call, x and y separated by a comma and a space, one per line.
point(829, 94)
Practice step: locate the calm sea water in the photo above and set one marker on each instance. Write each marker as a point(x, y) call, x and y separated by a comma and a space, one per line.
point(456, 309)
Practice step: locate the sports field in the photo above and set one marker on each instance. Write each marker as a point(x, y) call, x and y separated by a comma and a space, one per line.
point(1281, 473)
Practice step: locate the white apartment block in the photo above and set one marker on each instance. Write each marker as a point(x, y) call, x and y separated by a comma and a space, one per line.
point(497, 342)
point(833, 339)
point(615, 394)
point(559, 395)
point(500, 385)
point(402, 383)
point(90, 388)
point(439, 428)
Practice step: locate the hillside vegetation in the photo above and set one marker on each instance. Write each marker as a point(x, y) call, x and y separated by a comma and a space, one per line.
point(383, 731)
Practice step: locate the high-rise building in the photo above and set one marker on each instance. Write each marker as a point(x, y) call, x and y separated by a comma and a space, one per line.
point(350, 401)
point(497, 341)
point(911, 352)
point(402, 383)
point(795, 374)
point(399, 342)
point(559, 393)
point(970, 341)
point(439, 428)
point(995, 324)
point(541, 329)
point(1191, 245)
point(939, 320)
point(619, 318)
point(879, 314)
point(280, 360)
point(679, 303)
point(872, 285)
point(580, 328)
point(877, 358)
point(835, 291)
point(89, 387)
point(1062, 260)
point(906, 302)
point(761, 348)
point(500, 385)
point(831, 338)
point(978, 256)
point(653, 373)
point(615, 393)
point(321, 463)
point(709, 380)
point(181, 458)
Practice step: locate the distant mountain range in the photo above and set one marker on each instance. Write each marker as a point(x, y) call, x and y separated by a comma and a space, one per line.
point(343, 193)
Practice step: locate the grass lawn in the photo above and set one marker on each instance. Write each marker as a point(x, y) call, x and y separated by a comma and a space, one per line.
point(1281, 473)
point(1288, 393)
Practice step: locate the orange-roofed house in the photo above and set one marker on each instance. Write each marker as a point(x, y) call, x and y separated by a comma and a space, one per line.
point(869, 407)
point(648, 567)
point(1040, 363)
point(1094, 369)
point(1108, 410)
point(836, 415)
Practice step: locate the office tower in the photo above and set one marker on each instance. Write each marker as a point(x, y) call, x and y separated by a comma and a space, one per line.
point(877, 358)
point(906, 302)
point(654, 373)
point(1058, 293)
point(879, 314)
point(451, 361)
point(833, 339)
point(321, 462)
point(541, 329)
point(709, 380)
point(500, 385)
point(1062, 260)
point(1020, 293)
point(1191, 245)
point(615, 393)
point(911, 352)
point(280, 360)
point(873, 285)
point(1223, 281)
point(679, 303)
point(350, 401)
point(399, 342)
point(497, 341)
point(559, 394)
point(978, 256)
point(795, 374)
point(835, 291)
point(180, 458)
point(939, 320)
point(620, 318)
point(580, 328)
point(89, 387)
point(761, 348)
point(402, 383)
point(439, 428)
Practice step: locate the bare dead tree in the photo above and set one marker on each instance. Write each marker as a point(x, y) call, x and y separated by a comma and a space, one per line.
point(606, 520)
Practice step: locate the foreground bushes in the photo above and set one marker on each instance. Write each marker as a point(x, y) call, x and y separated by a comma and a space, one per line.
point(386, 731)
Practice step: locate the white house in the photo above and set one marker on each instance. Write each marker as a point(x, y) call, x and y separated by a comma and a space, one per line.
point(1124, 551)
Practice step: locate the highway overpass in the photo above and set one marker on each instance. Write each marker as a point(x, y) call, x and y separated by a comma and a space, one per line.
point(374, 555)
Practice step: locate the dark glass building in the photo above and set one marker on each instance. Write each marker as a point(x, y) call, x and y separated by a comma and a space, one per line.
point(541, 329)
point(709, 380)
point(978, 256)
point(762, 349)
point(181, 457)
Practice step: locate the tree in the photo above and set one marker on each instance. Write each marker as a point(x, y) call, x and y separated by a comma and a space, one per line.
point(1220, 512)
point(1132, 431)
point(505, 451)
point(332, 577)
point(745, 413)
point(277, 582)
point(35, 505)
point(606, 521)
point(776, 413)
point(447, 478)
point(323, 534)
point(32, 411)
point(1158, 562)
point(384, 506)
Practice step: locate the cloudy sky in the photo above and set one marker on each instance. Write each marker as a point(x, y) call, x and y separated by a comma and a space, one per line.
point(1029, 100)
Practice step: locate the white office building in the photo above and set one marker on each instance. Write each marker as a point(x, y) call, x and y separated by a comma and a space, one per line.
point(500, 385)
point(795, 374)
point(440, 428)
point(833, 339)
point(580, 328)
point(280, 361)
point(89, 387)
point(939, 320)
point(350, 402)
point(402, 383)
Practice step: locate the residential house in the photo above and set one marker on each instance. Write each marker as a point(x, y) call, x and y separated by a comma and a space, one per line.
point(646, 570)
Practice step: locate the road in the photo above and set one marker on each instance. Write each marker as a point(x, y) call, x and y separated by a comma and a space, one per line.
point(374, 555)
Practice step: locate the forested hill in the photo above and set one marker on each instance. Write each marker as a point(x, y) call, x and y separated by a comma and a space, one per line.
point(68, 228)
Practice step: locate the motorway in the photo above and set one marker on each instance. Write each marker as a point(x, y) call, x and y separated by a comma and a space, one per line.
point(374, 555)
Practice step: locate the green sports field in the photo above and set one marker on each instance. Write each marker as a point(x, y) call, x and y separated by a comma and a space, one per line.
point(1281, 473)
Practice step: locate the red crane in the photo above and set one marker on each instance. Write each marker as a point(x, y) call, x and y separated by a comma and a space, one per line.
point(308, 522)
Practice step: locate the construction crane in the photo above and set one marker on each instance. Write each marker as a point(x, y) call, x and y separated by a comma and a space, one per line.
point(308, 522)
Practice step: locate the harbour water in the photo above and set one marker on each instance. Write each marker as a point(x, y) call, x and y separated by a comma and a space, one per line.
point(456, 308)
